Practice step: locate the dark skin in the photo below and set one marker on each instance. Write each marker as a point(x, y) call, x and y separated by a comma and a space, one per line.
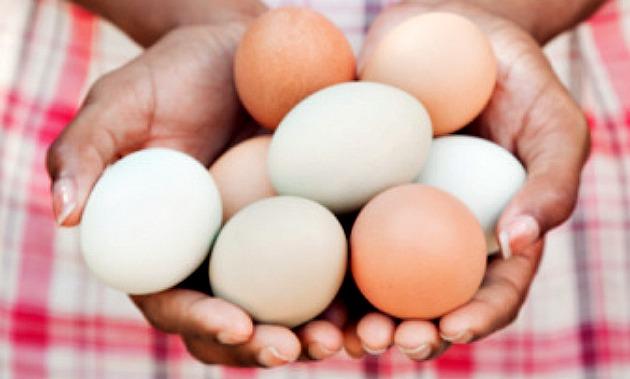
point(146, 21)
point(179, 94)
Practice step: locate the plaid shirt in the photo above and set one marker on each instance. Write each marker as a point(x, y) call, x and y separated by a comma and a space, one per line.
point(57, 321)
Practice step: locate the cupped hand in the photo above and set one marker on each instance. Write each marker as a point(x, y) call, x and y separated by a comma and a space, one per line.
point(532, 115)
point(178, 94)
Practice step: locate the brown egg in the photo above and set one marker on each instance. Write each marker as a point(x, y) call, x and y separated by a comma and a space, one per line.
point(287, 54)
point(417, 252)
point(444, 60)
point(241, 175)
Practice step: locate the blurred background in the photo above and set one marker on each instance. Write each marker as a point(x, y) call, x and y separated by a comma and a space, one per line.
point(57, 321)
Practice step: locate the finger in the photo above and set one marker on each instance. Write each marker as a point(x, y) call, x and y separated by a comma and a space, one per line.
point(352, 342)
point(270, 346)
point(321, 339)
point(194, 313)
point(104, 128)
point(554, 146)
point(418, 340)
point(497, 302)
point(376, 332)
point(210, 352)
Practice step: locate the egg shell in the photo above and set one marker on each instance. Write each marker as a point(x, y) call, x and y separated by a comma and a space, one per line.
point(346, 143)
point(482, 174)
point(281, 259)
point(287, 54)
point(241, 175)
point(149, 221)
point(417, 252)
point(443, 59)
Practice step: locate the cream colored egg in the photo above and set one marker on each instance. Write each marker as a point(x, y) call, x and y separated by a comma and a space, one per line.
point(481, 174)
point(346, 143)
point(282, 259)
point(149, 221)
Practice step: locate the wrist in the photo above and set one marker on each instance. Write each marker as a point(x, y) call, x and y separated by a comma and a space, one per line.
point(146, 21)
point(489, 20)
point(519, 12)
point(213, 12)
point(543, 20)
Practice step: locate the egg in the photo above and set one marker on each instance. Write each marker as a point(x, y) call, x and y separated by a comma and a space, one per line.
point(481, 174)
point(443, 59)
point(417, 252)
point(346, 143)
point(149, 221)
point(285, 55)
point(281, 259)
point(241, 175)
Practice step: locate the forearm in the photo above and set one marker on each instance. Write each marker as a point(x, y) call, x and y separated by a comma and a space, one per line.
point(544, 19)
point(147, 20)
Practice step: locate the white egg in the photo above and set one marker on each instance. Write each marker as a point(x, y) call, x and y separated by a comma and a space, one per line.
point(348, 142)
point(150, 221)
point(282, 259)
point(481, 174)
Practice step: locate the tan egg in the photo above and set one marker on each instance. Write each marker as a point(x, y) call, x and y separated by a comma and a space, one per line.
point(287, 54)
point(281, 259)
point(241, 175)
point(444, 60)
point(417, 252)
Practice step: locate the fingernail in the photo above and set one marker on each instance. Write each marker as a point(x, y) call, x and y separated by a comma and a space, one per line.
point(319, 351)
point(270, 357)
point(227, 338)
point(504, 242)
point(64, 199)
point(418, 353)
point(519, 234)
point(462, 337)
point(373, 351)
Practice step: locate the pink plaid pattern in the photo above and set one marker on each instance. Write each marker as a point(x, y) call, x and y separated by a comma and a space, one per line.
point(57, 321)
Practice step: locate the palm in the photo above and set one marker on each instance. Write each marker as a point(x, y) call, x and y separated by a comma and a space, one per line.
point(522, 75)
point(178, 94)
point(532, 115)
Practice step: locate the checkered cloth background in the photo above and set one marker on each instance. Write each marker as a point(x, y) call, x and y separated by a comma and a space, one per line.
point(57, 321)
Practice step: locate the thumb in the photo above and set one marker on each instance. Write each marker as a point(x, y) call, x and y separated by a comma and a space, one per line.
point(553, 145)
point(100, 133)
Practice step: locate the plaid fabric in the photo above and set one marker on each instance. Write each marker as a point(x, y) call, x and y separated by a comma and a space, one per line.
point(56, 321)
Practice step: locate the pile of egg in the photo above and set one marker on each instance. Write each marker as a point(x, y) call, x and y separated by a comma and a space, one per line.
point(427, 202)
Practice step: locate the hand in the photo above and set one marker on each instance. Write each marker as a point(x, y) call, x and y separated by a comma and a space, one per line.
point(532, 115)
point(178, 94)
